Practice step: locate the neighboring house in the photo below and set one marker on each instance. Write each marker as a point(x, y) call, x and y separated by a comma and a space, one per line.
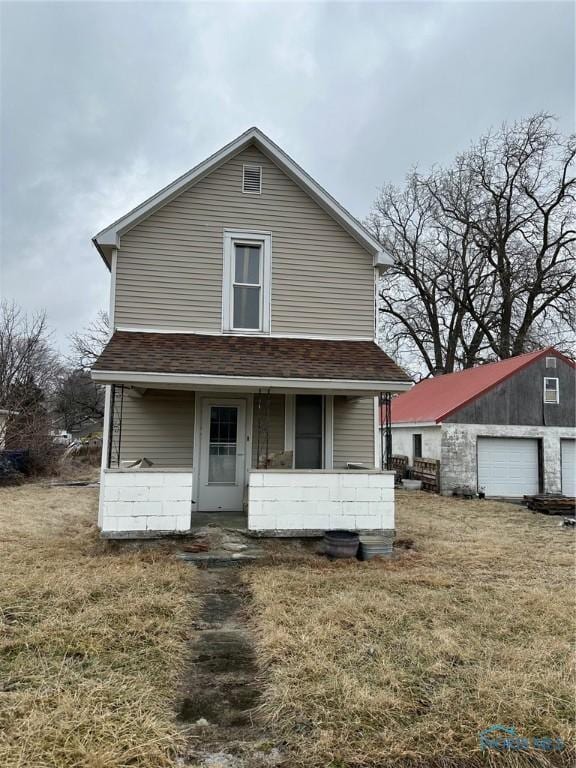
point(60, 436)
point(89, 429)
point(507, 427)
point(242, 371)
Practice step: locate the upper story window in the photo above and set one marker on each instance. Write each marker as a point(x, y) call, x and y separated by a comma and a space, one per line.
point(551, 390)
point(252, 179)
point(246, 289)
point(550, 362)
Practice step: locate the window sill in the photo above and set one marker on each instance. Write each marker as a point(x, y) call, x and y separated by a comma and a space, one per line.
point(245, 332)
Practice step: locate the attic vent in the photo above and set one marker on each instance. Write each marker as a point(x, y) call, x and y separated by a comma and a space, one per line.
point(252, 179)
point(550, 362)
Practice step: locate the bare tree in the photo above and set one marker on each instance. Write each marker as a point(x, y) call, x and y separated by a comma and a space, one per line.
point(484, 250)
point(421, 297)
point(88, 344)
point(25, 354)
point(78, 401)
point(29, 372)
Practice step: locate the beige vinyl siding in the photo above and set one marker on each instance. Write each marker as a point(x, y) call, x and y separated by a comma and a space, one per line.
point(353, 431)
point(275, 428)
point(169, 267)
point(158, 426)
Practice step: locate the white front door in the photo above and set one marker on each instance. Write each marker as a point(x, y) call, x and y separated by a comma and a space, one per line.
point(222, 455)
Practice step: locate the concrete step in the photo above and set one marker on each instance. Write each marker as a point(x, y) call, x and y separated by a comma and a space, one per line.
point(219, 558)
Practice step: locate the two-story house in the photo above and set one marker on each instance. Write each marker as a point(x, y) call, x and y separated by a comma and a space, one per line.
point(242, 372)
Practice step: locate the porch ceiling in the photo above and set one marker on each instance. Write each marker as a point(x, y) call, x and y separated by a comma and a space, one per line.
point(247, 362)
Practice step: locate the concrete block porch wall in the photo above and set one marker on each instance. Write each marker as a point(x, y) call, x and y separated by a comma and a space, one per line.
point(145, 500)
point(306, 501)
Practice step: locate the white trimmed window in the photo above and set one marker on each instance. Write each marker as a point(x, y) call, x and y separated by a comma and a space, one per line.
point(550, 362)
point(551, 390)
point(309, 430)
point(246, 289)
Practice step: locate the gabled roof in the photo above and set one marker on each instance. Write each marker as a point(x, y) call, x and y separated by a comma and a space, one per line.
point(432, 400)
point(109, 237)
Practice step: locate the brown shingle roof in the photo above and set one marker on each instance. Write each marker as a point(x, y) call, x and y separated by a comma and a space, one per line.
point(260, 356)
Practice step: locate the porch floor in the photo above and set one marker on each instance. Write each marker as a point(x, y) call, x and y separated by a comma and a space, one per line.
point(235, 520)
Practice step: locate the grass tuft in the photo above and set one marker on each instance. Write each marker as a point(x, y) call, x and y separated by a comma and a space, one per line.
point(91, 638)
point(404, 662)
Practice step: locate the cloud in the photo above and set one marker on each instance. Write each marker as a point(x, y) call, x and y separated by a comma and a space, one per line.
point(104, 103)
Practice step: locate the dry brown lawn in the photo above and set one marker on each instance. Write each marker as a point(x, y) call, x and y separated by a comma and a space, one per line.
point(371, 664)
point(92, 640)
point(364, 664)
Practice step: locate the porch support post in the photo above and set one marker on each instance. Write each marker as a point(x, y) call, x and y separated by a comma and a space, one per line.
point(105, 459)
point(110, 435)
point(262, 427)
point(385, 404)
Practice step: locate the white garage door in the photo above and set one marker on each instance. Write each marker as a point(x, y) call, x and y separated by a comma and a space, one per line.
point(508, 466)
point(568, 448)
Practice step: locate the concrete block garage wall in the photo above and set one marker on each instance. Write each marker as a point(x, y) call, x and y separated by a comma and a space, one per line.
point(295, 500)
point(402, 441)
point(458, 460)
point(145, 500)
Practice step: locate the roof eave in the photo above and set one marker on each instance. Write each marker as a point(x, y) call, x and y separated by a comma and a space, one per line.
point(347, 386)
point(423, 423)
point(101, 250)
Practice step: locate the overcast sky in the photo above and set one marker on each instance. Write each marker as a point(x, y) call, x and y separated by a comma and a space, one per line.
point(104, 103)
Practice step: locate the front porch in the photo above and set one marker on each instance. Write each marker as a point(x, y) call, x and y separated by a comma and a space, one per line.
point(282, 463)
point(285, 431)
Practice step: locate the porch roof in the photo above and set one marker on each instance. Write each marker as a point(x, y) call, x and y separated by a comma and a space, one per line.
point(137, 357)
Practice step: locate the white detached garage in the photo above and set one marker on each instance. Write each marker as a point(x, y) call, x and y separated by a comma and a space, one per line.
point(508, 428)
point(508, 466)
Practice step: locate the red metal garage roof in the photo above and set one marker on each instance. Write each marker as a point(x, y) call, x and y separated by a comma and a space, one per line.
point(434, 399)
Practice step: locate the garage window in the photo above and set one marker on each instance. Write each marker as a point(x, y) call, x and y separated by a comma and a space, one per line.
point(551, 390)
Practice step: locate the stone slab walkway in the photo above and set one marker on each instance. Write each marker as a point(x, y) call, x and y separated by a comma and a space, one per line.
point(221, 689)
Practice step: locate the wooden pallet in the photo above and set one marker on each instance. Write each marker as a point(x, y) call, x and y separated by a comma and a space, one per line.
point(399, 465)
point(551, 504)
point(428, 471)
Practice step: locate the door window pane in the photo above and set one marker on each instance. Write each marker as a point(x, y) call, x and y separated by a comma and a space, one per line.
point(247, 264)
point(246, 306)
point(222, 447)
point(309, 427)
